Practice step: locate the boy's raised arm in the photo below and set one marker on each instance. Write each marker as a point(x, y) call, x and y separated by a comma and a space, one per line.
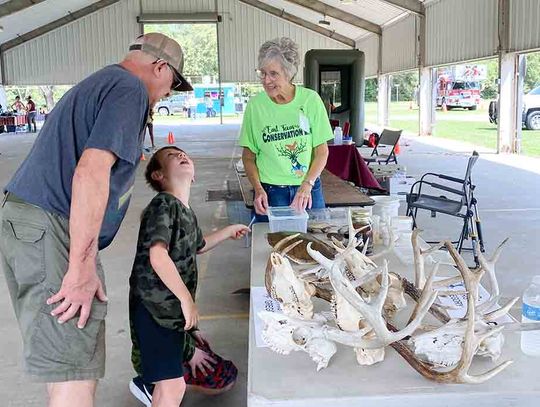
point(167, 272)
point(228, 232)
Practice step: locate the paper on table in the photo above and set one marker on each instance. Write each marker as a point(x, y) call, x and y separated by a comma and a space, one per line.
point(261, 301)
point(458, 302)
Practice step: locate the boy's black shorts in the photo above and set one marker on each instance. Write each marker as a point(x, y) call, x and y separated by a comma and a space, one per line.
point(161, 348)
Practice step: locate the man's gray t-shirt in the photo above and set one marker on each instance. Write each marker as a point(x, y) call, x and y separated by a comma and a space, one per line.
point(107, 111)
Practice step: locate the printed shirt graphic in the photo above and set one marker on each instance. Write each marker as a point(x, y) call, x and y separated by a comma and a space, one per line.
point(283, 136)
point(166, 220)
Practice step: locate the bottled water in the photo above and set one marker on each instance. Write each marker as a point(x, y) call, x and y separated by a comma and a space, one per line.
point(338, 136)
point(530, 340)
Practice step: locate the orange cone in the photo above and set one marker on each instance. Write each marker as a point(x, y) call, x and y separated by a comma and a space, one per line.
point(396, 149)
point(143, 158)
point(170, 138)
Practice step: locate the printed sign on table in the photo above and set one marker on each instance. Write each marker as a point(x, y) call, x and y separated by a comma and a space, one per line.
point(261, 301)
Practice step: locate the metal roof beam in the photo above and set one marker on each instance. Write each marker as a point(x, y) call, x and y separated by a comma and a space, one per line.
point(21, 39)
point(299, 21)
point(330, 11)
point(413, 6)
point(14, 6)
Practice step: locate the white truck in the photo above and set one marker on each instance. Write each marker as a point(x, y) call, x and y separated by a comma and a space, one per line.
point(531, 110)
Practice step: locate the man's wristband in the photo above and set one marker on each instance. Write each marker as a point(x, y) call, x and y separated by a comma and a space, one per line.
point(310, 182)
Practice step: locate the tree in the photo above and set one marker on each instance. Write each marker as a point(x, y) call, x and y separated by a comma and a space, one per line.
point(371, 90)
point(490, 88)
point(532, 78)
point(407, 83)
point(48, 94)
point(198, 42)
point(45, 95)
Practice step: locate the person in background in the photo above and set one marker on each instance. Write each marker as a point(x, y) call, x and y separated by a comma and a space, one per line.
point(150, 127)
point(44, 112)
point(31, 114)
point(193, 103)
point(17, 106)
point(2, 130)
point(284, 134)
point(209, 103)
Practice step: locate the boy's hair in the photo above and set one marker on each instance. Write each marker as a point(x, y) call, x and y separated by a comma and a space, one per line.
point(155, 165)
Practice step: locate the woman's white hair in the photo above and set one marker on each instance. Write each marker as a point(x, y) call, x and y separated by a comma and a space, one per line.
point(285, 51)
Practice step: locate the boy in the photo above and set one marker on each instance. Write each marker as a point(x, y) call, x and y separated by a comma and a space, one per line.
point(163, 282)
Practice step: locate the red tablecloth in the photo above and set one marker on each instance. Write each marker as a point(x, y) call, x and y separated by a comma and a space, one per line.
point(346, 162)
point(12, 120)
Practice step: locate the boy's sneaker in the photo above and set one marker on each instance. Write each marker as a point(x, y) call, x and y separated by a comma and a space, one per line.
point(141, 391)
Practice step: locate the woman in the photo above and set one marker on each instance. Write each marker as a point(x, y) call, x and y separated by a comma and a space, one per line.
point(284, 134)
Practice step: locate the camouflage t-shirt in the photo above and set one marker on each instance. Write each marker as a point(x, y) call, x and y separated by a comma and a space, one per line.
point(166, 220)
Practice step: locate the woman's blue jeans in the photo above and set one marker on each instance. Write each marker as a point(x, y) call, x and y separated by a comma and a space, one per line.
point(283, 195)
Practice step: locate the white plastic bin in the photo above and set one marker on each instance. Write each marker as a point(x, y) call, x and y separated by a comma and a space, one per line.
point(286, 219)
point(386, 206)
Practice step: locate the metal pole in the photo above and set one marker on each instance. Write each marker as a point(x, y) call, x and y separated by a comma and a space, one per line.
point(221, 101)
point(521, 72)
point(141, 25)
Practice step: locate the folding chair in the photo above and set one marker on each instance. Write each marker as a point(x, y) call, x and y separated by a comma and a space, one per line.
point(389, 138)
point(464, 206)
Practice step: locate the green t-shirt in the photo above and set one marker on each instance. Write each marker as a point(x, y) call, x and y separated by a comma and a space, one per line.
point(166, 220)
point(283, 136)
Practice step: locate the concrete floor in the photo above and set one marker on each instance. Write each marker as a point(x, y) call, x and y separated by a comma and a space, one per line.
point(508, 192)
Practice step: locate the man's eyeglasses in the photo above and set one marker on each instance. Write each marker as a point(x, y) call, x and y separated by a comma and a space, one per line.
point(273, 75)
point(176, 79)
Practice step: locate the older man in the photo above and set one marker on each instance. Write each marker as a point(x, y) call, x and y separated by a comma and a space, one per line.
point(66, 202)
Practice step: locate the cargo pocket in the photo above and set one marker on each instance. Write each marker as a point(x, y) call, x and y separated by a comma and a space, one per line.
point(66, 343)
point(88, 341)
point(25, 251)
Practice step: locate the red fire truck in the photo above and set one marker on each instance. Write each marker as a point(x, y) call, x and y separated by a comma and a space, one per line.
point(459, 86)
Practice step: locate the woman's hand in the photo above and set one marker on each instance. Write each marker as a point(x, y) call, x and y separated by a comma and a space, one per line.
point(302, 199)
point(260, 201)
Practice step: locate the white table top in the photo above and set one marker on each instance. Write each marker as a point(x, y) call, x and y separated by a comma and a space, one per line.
point(292, 380)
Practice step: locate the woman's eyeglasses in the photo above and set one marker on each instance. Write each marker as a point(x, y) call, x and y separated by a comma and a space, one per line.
point(273, 75)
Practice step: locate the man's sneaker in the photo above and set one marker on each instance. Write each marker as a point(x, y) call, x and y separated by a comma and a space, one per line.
point(142, 392)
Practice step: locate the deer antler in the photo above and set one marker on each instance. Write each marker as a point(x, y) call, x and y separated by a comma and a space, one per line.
point(373, 311)
point(489, 267)
point(420, 258)
point(471, 340)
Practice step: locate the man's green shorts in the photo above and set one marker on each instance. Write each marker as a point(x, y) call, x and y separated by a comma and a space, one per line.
point(34, 253)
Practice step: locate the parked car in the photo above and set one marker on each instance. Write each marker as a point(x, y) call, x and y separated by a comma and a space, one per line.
point(172, 104)
point(531, 110)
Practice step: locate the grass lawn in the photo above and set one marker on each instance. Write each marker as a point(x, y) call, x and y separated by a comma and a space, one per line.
point(463, 125)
